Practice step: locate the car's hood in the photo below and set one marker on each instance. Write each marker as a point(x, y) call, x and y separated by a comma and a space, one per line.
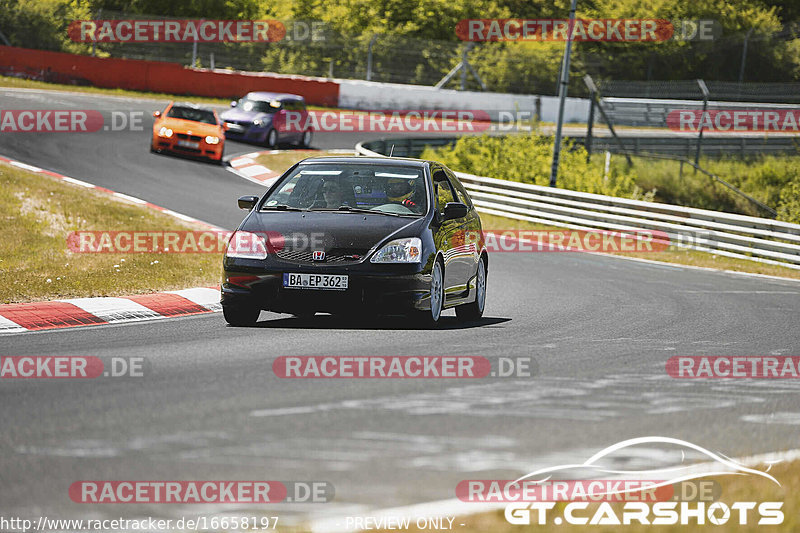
point(355, 233)
point(185, 126)
point(249, 116)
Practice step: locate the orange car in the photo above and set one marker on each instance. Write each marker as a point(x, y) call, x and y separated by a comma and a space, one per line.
point(189, 129)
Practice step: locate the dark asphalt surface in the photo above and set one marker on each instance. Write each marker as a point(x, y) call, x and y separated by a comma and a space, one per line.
point(599, 329)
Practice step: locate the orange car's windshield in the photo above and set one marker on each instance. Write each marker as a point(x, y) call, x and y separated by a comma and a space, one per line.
point(196, 115)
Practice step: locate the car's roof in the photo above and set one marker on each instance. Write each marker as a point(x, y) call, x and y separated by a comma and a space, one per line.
point(259, 95)
point(360, 160)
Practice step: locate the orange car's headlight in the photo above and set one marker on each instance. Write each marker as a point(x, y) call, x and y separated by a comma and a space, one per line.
point(165, 132)
point(212, 140)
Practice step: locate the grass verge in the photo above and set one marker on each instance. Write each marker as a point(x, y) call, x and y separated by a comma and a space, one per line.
point(38, 212)
point(673, 254)
point(734, 489)
point(281, 161)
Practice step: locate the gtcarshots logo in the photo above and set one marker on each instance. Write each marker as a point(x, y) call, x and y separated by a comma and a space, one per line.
point(409, 367)
point(176, 31)
point(70, 367)
point(68, 121)
point(539, 505)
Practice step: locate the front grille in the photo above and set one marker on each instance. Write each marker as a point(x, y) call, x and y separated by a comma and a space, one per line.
point(186, 149)
point(188, 137)
point(305, 256)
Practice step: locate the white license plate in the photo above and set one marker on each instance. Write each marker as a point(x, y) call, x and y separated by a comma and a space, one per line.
point(188, 144)
point(335, 282)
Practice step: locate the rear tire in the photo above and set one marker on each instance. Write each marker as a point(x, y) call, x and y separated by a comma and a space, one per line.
point(240, 315)
point(474, 310)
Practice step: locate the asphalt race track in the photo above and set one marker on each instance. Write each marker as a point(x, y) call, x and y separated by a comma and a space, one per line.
point(600, 330)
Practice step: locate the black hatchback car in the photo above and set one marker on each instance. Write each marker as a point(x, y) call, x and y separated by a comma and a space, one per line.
point(344, 235)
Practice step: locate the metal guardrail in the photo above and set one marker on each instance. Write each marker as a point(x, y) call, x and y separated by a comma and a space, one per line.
point(686, 146)
point(673, 145)
point(731, 235)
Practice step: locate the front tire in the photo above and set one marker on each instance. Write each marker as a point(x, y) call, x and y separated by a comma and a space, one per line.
point(430, 318)
point(474, 310)
point(241, 316)
point(305, 142)
point(271, 139)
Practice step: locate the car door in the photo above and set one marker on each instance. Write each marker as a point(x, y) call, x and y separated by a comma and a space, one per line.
point(469, 231)
point(279, 123)
point(447, 238)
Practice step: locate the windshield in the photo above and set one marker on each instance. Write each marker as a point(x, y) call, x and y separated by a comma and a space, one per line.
point(260, 106)
point(190, 113)
point(388, 189)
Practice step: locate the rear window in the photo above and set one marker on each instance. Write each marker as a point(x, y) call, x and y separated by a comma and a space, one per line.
point(380, 188)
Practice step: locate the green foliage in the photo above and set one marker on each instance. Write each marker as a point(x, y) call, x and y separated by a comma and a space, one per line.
point(772, 180)
point(528, 158)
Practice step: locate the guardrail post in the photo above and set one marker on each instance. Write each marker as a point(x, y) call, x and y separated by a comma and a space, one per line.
point(592, 87)
point(590, 122)
point(369, 56)
point(703, 88)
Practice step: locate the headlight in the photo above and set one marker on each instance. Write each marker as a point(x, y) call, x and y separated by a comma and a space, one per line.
point(164, 132)
point(407, 250)
point(258, 122)
point(247, 245)
point(212, 140)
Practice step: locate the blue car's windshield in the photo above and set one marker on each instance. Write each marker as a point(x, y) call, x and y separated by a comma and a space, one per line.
point(259, 106)
point(393, 189)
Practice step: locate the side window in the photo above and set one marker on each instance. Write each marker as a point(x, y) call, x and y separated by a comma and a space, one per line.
point(441, 187)
point(461, 192)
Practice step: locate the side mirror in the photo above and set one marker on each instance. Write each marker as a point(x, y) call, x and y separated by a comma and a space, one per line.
point(156, 114)
point(247, 202)
point(233, 103)
point(455, 210)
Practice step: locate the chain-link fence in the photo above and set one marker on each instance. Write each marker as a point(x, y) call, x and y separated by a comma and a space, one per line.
point(315, 48)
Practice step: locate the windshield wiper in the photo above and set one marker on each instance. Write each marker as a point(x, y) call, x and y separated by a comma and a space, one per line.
point(282, 207)
point(349, 209)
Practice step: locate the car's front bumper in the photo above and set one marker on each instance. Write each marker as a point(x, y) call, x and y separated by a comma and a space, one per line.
point(247, 132)
point(385, 289)
point(213, 151)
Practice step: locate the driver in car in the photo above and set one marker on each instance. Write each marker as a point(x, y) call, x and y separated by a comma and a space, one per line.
point(400, 191)
point(332, 193)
